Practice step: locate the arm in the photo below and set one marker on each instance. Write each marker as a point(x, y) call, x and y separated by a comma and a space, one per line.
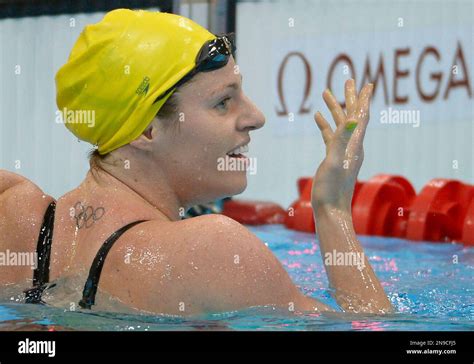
point(356, 287)
point(257, 278)
point(220, 266)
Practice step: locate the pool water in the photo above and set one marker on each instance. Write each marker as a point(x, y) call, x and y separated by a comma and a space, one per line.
point(429, 284)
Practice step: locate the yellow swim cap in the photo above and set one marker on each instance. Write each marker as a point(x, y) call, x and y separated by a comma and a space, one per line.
point(118, 67)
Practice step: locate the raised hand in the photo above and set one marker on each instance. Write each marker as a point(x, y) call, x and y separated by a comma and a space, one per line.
point(335, 178)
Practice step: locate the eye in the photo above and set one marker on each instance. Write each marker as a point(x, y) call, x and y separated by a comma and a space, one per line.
point(222, 105)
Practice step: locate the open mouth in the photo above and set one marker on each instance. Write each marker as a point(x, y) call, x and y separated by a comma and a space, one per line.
point(239, 152)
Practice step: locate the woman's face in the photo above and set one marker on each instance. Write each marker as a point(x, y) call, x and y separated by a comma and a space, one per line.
point(214, 117)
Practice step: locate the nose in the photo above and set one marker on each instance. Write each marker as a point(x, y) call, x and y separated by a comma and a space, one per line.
point(253, 118)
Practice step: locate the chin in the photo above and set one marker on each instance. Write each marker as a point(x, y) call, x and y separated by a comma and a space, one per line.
point(233, 184)
point(222, 186)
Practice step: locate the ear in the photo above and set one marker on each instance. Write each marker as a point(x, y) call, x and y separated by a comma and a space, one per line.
point(146, 140)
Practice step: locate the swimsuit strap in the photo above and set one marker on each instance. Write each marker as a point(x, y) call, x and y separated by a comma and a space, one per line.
point(90, 288)
point(43, 251)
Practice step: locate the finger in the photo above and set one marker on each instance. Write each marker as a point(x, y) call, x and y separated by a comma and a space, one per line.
point(366, 90)
point(324, 127)
point(363, 105)
point(333, 106)
point(364, 96)
point(362, 117)
point(351, 97)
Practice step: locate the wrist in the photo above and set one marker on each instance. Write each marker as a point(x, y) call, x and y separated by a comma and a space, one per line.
point(326, 202)
point(329, 210)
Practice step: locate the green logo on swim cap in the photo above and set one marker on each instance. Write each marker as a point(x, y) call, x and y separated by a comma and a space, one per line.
point(144, 86)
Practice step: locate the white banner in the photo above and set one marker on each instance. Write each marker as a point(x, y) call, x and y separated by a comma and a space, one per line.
point(419, 76)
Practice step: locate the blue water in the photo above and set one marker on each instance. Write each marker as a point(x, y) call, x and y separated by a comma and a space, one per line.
point(429, 284)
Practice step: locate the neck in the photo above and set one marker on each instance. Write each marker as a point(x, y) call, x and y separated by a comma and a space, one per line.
point(150, 186)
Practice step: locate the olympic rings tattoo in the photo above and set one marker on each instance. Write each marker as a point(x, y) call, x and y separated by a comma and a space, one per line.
point(86, 215)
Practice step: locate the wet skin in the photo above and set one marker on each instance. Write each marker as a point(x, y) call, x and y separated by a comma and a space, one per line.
point(204, 264)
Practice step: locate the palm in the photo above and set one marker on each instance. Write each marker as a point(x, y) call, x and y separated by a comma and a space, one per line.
point(335, 178)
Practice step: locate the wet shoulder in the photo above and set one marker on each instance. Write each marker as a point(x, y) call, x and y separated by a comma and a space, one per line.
point(22, 208)
point(200, 263)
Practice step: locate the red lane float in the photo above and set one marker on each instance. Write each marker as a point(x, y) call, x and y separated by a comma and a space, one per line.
point(254, 212)
point(381, 206)
point(468, 228)
point(300, 214)
point(438, 212)
point(386, 205)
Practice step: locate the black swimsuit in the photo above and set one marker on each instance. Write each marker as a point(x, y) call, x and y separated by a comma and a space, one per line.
point(43, 249)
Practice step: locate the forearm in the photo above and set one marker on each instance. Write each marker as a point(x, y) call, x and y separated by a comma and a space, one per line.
point(356, 286)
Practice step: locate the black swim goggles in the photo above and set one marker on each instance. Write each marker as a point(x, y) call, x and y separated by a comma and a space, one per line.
point(214, 54)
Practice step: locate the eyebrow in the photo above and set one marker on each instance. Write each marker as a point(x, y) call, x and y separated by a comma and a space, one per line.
point(233, 85)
